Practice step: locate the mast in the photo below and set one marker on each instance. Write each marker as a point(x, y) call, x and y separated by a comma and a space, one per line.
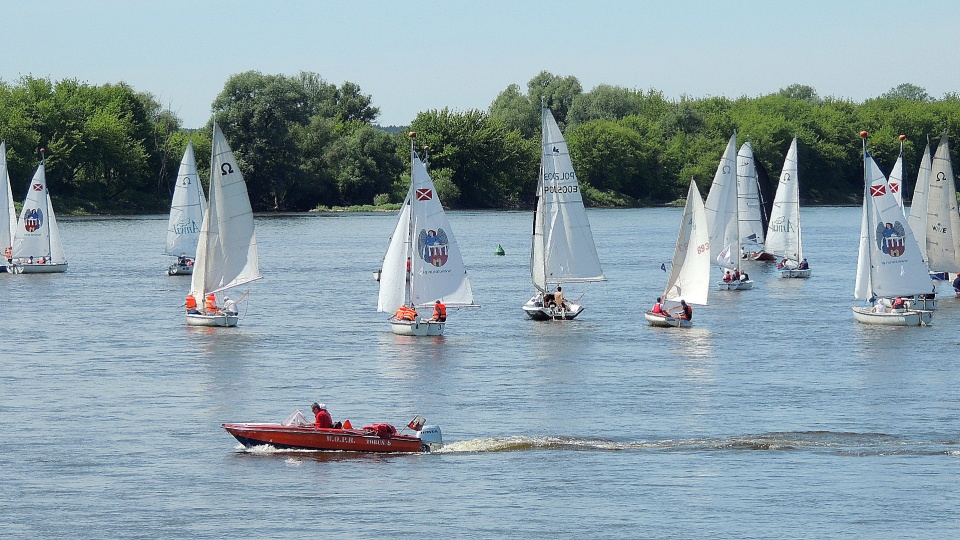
point(407, 245)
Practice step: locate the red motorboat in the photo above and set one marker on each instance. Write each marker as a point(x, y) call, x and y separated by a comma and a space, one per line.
point(296, 433)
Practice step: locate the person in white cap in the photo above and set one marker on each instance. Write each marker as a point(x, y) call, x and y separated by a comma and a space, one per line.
point(323, 418)
point(229, 306)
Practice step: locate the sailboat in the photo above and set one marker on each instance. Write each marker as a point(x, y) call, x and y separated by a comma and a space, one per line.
point(227, 249)
point(690, 271)
point(423, 264)
point(36, 243)
point(8, 215)
point(723, 219)
point(889, 265)
point(784, 239)
point(753, 206)
point(942, 227)
point(562, 250)
point(186, 215)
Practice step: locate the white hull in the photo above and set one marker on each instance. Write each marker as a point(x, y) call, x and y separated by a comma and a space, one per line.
point(795, 273)
point(42, 268)
point(195, 319)
point(180, 270)
point(538, 312)
point(735, 285)
point(12, 268)
point(417, 328)
point(905, 317)
point(660, 320)
point(927, 304)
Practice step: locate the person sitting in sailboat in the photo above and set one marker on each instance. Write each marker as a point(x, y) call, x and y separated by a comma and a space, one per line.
point(405, 313)
point(727, 277)
point(556, 299)
point(210, 304)
point(191, 303)
point(956, 285)
point(439, 312)
point(658, 308)
point(686, 312)
point(898, 303)
point(229, 306)
point(804, 265)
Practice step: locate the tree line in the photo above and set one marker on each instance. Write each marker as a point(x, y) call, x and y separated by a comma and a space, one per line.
point(304, 143)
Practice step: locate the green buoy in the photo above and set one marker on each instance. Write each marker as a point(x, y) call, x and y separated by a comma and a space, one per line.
point(499, 250)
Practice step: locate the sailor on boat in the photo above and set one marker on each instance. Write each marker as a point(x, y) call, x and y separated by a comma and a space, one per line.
point(439, 312)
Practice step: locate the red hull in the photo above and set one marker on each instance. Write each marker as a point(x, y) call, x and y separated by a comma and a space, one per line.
point(311, 438)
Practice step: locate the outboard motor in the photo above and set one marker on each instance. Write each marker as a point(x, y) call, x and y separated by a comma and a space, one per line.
point(430, 438)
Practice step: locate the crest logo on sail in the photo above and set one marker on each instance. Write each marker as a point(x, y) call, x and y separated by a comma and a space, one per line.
point(891, 238)
point(33, 219)
point(433, 246)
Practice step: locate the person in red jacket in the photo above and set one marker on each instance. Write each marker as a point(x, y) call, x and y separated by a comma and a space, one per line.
point(439, 312)
point(323, 418)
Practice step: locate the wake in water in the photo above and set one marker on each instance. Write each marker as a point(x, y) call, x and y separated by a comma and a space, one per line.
point(855, 444)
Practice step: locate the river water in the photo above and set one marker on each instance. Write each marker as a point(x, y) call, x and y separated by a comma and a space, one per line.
point(777, 415)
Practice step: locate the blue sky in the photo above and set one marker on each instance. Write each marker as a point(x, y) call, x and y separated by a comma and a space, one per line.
point(415, 56)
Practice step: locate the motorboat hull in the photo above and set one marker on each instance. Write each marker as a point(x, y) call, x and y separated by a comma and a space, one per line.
point(538, 312)
point(42, 268)
point(735, 285)
point(180, 270)
point(795, 273)
point(670, 322)
point(196, 319)
point(312, 438)
point(417, 328)
point(906, 317)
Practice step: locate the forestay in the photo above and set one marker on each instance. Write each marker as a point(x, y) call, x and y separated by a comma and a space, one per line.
point(563, 250)
point(227, 249)
point(186, 209)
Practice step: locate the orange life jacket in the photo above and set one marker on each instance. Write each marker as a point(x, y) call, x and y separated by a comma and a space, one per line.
point(210, 304)
point(440, 312)
point(191, 303)
point(405, 313)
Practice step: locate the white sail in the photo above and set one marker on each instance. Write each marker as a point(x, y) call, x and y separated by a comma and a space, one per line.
point(783, 234)
point(942, 231)
point(425, 236)
point(563, 250)
point(748, 201)
point(393, 292)
point(721, 210)
point(690, 272)
point(8, 216)
point(227, 249)
point(918, 205)
point(890, 263)
point(186, 209)
point(37, 234)
point(895, 180)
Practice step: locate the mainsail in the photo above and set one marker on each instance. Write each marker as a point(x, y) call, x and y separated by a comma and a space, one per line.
point(186, 209)
point(721, 210)
point(8, 216)
point(783, 234)
point(37, 235)
point(918, 206)
point(749, 213)
point(889, 262)
point(562, 250)
point(690, 271)
point(227, 249)
point(942, 231)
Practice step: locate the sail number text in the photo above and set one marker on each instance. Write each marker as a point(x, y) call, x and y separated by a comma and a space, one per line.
point(557, 177)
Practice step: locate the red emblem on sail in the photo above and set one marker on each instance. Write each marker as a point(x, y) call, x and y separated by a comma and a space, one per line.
point(894, 187)
point(424, 194)
point(38, 187)
point(877, 191)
